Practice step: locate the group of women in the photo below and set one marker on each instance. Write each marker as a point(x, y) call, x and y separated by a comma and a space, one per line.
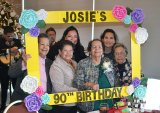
point(105, 67)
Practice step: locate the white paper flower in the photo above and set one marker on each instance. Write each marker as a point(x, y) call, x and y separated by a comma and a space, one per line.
point(29, 84)
point(141, 35)
point(42, 14)
point(13, 14)
point(106, 65)
point(130, 89)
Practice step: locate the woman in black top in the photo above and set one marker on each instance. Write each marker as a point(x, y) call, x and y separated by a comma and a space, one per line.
point(71, 34)
point(122, 66)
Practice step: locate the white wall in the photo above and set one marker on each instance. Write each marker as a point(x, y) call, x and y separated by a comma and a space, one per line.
point(149, 50)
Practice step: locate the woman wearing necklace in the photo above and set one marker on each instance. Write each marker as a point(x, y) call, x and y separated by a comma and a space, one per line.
point(93, 73)
point(122, 66)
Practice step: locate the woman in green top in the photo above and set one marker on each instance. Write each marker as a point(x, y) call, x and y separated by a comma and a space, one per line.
point(93, 73)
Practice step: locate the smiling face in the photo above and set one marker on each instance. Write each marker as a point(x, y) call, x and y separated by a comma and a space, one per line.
point(66, 53)
point(120, 55)
point(43, 47)
point(72, 36)
point(109, 39)
point(96, 49)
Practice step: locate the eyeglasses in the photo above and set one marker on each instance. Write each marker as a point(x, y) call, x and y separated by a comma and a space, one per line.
point(119, 54)
point(96, 47)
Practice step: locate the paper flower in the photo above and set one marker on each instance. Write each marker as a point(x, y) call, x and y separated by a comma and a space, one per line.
point(34, 32)
point(136, 82)
point(119, 12)
point(29, 84)
point(130, 89)
point(42, 14)
point(133, 27)
point(33, 102)
point(137, 16)
point(28, 18)
point(141, 35)
point(39, 91)
point(45, 98)
point(140, 92)
point(127, 19)
point(107, 66)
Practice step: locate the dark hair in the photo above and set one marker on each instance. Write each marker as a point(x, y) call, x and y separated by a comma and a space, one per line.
point(120, 45)
point(50, 29)
point(112, 31)
point(42, 35)
point(90, 44)
point(64, 43)
point(71, 28)
point(8, 29)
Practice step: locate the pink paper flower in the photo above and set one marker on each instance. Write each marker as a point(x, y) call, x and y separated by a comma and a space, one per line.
point(39, 91)
point(119, 12)
point(133, 28)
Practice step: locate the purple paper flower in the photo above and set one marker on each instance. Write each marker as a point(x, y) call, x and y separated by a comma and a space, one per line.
point(137, 16)
point(136, 82)
point(34, 32)
point(33, 102)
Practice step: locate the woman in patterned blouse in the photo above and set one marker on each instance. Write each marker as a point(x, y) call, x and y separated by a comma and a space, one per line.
point(122, 66)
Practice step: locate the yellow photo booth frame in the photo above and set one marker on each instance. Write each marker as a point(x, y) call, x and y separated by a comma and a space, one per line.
point(79, 17)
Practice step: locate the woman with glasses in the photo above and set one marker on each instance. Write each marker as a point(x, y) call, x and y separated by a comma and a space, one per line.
point(122, 66)
point(92, 74)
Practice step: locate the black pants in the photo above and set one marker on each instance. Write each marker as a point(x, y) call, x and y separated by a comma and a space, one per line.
point(4, 80)
point(64, 109)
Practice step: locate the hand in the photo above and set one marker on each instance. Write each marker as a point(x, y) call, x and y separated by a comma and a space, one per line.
point(14, 50)
point(92, 85)
point(96, 87)
point(25, 57)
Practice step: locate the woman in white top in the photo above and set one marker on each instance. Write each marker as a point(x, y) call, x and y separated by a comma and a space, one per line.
point(62, 72)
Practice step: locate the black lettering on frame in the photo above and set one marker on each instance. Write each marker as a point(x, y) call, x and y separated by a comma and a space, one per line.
point(80, 15)
point(92, 16)
point(86, 16)
point(73, 17)
point(103, 16)
point(67, 18)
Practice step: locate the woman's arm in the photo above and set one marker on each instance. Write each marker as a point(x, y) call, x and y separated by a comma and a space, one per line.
point(57, 79)
point(79, 80)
